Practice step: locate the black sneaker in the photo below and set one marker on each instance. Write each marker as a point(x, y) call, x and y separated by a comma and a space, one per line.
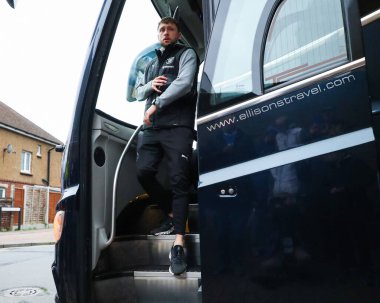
point(166, 227)
point(177, 260)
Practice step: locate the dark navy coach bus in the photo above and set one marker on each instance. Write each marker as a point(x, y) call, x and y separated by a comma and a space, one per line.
point(286, 201)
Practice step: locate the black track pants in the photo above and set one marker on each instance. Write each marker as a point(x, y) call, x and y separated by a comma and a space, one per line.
point(175, 144)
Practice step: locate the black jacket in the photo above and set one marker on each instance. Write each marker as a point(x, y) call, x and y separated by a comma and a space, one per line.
point(181, 112)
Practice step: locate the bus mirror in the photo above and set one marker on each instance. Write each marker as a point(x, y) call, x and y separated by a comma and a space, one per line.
point(136, 72)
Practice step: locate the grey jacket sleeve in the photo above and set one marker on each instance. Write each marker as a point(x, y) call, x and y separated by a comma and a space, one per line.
point(183, 83)
point(143, 90)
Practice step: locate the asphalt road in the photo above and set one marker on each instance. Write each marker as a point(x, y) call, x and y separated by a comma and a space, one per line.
point(25, 275)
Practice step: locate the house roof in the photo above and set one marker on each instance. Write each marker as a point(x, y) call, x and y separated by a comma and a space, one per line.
point(13, 120)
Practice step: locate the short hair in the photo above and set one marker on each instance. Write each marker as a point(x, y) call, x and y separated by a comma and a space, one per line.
point(167, 20)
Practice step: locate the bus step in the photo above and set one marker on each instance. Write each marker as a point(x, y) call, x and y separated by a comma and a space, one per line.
point(149, 285)
point(131, 251)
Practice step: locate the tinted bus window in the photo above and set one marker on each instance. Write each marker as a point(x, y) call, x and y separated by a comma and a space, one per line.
point(305, 37)
point(229, 69)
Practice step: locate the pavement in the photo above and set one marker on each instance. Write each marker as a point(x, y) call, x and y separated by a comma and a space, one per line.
point(26, 237)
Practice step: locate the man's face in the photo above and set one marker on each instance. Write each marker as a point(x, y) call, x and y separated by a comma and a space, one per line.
point(168, 34)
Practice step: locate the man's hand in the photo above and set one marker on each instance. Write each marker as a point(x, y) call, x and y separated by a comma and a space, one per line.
point(151, 110)
point(158, 82)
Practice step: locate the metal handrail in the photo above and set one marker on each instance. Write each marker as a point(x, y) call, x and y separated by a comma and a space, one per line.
point(112, 235)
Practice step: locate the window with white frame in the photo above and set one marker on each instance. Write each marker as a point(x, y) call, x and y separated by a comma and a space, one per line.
point(2, 192)
point(38, 150)
point(26, 162)
point(306, 37)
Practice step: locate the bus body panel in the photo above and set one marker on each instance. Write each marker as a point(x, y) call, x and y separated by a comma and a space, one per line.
point(318, 244)
point(301, 226)
point(342, 99)
point(288, 187)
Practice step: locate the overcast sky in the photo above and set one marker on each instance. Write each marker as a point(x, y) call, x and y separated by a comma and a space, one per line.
point(43, 45)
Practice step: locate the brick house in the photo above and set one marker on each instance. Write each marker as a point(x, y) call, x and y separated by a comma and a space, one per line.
point(29, 171)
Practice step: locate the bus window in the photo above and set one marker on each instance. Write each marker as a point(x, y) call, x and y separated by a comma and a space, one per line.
point(136, 74)
point(131, 48)
point(305, 37)
point(229, 69)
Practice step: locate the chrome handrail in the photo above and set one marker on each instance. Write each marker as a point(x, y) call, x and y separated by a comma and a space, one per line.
point(112, 235)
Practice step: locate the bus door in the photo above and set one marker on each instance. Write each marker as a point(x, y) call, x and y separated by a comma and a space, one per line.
point(370, 12)
point(288, 189)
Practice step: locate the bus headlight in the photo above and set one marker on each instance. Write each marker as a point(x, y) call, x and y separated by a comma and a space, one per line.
point(58, 224)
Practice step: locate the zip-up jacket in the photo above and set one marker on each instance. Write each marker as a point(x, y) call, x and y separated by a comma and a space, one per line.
point(176, 104)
